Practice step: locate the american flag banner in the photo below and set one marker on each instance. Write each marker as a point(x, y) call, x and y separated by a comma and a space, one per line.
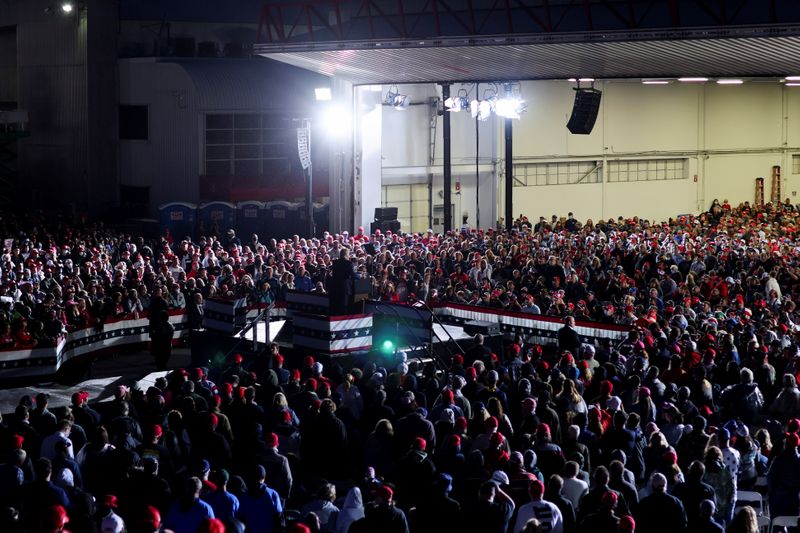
point(224, 315)
point(332, 334)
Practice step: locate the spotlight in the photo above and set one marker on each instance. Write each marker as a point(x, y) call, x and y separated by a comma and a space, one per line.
point(322, 94)
point(474, 108)
point(66, 7)
point(484, 110)
point(458, 102)
point(397, 100)
point(393, 93)
point(510, 107)
point(336, 121)
point(401, 102)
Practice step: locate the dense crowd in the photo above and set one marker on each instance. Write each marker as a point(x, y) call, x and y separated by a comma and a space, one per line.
point(658, 433)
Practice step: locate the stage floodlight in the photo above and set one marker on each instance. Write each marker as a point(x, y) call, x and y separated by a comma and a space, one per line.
point(323, 94)
point(67, 7)
point(336, 121)
point(511, 107)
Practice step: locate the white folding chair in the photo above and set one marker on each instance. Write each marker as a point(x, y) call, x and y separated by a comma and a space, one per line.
point(751, 498)
point(763, 524)
point(783, 521)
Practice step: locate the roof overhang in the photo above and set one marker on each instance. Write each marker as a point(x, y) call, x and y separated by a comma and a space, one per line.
point(771, 51)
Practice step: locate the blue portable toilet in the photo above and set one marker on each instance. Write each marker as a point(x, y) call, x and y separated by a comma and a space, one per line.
point(251, 217)
point(179, 218)
point(278, 219)
point(215, 218)
point(297, 220)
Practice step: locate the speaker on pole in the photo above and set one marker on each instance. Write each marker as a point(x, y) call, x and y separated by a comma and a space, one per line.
point(584, 111)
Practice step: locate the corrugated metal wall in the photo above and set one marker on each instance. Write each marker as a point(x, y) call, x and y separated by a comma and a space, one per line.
point(52, 81)
point(169, 162)
point(179, 94)
point(54, 74)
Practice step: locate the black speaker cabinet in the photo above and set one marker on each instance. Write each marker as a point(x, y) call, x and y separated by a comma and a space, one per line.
point(385, 213)
point(584, 111)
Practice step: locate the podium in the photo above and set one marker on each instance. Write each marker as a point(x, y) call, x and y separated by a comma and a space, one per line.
point(314, 327)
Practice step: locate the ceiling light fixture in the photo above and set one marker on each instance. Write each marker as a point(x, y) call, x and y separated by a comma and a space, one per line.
point(693, 80)
point(730, 82)
point(655, 82)
point(67, 7)
point(792, 78)
point(793, 84)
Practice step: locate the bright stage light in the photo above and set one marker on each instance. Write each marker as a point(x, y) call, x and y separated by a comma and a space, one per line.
point(66, 7)
point(510, 107)
point(322, 94)
point(336, 121)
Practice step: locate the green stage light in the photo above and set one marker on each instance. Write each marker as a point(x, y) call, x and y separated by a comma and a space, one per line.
point(388, 346)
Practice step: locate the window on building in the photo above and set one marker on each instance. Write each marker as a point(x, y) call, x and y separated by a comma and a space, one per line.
point(250, 144)
point(133, 123)
point(795, 163)
point(622, 171)
point(557, 173)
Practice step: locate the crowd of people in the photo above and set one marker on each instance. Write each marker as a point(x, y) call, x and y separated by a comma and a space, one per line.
point(657, 433)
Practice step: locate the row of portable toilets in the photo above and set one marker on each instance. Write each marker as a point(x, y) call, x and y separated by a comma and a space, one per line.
point(277, 219)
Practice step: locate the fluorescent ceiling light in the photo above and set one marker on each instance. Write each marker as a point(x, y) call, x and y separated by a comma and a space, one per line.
point(322, 94)
point(792, 78)
point(587, 80)
point(730, 82)
point(793, 84)
point(655, 82)
point(693, 80)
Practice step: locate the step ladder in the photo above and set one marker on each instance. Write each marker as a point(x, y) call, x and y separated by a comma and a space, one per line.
point(759, 202)
point(775, 196)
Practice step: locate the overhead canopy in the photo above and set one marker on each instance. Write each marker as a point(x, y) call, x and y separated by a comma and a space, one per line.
point(751, 52)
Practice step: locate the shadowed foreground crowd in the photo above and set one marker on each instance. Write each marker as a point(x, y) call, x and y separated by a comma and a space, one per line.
point(656, 434)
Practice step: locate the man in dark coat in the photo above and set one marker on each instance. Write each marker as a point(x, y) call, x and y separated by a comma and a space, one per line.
point(382, 516)
point(661, 512)
point(568, 339)
point(340, 283)
point(693, 492)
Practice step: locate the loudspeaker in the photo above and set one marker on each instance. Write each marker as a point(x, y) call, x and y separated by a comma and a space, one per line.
point(385, 213)
point(386, 225)
point(584, 111)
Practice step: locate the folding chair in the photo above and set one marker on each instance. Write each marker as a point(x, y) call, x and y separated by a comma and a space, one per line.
point(751, 498)
point(763, 524)
point(784, 521)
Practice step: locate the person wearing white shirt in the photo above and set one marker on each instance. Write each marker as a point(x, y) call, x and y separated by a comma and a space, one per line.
point(574, 489)
point(545, 512)
point(61, 434)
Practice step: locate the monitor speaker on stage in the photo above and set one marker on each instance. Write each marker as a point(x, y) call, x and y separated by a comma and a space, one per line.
point(584, 111)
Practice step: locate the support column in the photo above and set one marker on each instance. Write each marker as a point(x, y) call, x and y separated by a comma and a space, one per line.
point(509, 127)
point(447, 170)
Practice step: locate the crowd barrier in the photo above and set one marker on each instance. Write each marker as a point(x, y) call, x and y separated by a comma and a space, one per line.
point(539, 329)
point(334, 334)
point(46, 361)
